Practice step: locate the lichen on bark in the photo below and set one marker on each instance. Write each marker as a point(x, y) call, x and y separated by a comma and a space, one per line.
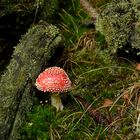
point(119, 24)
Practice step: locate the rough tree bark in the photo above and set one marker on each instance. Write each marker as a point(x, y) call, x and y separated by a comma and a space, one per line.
point(36, 47)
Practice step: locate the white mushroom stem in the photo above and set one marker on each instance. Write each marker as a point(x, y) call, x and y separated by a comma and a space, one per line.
point(56, 101)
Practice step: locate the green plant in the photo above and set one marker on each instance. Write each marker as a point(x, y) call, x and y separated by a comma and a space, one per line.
point(71, 22)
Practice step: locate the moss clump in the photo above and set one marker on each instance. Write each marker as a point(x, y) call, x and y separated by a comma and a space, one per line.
point(44, 123)
point(39, 123)
point(117, 23)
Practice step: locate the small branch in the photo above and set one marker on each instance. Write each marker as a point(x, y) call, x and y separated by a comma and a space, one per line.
point(89, 9)
point(96, 115)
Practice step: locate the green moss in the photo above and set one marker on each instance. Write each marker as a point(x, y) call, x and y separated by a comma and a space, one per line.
point(44, 123)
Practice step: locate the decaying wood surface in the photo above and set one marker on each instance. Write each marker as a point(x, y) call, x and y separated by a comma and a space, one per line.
point(17, 87)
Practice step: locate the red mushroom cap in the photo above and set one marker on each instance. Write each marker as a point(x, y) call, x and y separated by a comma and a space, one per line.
point(53, 79)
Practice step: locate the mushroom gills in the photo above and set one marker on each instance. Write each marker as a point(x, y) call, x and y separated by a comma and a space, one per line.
point(56, 101)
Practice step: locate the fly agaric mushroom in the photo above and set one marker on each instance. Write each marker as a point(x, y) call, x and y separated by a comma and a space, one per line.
point(54, 80)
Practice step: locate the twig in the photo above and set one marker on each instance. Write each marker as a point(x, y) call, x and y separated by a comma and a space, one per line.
point(96, 115)
point(89, 9)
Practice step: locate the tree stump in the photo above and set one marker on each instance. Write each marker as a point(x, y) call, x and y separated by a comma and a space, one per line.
point(17, 87)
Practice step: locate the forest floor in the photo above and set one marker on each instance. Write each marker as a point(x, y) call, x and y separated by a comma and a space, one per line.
point(104, 101)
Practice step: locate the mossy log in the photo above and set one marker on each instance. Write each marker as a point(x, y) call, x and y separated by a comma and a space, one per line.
point(17, 87)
